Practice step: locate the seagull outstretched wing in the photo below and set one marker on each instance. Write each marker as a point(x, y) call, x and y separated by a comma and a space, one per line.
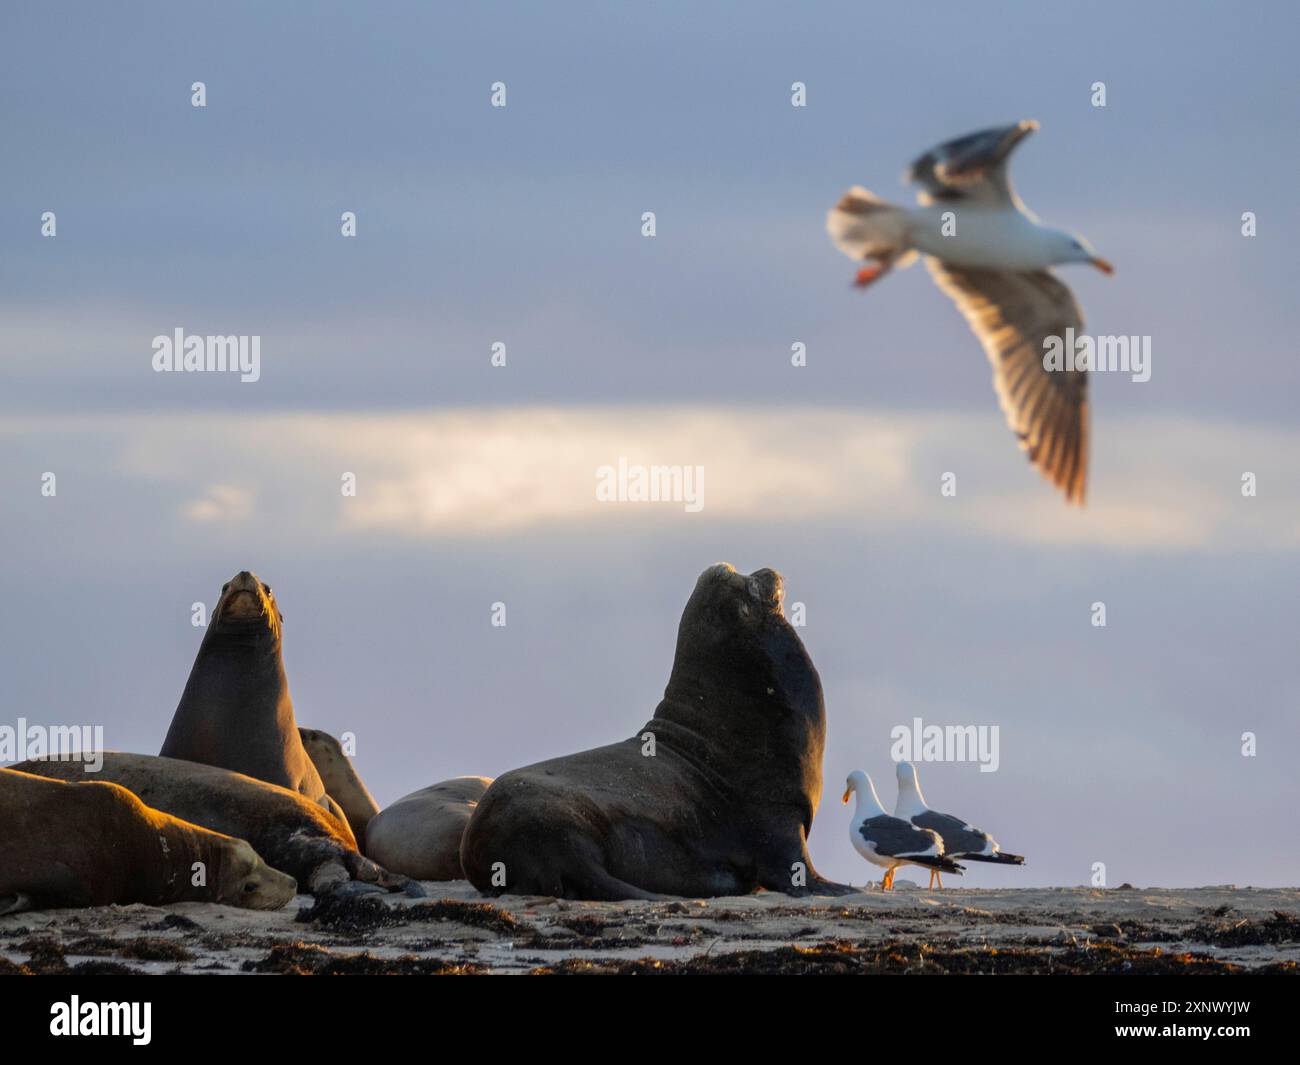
point(1012, 313)
point(971, 168)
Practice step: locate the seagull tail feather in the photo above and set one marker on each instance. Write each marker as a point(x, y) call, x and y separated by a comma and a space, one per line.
point(946, 865)
point(863, 226)
point(1000, 858)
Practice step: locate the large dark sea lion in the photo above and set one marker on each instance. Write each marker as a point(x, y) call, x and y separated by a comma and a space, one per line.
point(341, 780)
point(722, 806)
point(289, 831)
point(91, 844)
point(420, 833)
point(235, 712)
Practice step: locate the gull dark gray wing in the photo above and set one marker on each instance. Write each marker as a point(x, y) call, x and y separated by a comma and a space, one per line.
point(958, 837)
point(973, 167)
point(1012, 314)
point(892, 837)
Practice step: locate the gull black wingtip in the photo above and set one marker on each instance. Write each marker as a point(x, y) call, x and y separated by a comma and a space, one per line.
point(995, 859)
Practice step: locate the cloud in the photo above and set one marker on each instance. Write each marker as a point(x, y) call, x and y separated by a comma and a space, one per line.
point(1157, 484)
point(221, 502)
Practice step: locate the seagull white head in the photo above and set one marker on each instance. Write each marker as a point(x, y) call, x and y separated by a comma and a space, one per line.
point(910, 800)
point(1072, 248)
point(860, 783)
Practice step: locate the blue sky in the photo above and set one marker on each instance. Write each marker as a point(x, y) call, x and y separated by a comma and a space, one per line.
point(523, 225)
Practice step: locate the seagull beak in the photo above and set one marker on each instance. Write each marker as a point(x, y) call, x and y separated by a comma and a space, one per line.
point(1102, 265)
point(846, 796)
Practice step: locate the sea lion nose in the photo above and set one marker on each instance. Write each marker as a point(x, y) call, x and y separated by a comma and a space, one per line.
point(768, 585)
point(243, 579)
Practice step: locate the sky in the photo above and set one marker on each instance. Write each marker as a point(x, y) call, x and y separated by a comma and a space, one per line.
point(522, 225)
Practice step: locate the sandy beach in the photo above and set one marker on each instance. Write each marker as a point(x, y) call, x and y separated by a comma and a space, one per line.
point(910, 930)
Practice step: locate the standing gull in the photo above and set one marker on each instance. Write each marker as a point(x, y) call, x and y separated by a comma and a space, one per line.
point(890, 841)
point(960, 840)
point(987, 251)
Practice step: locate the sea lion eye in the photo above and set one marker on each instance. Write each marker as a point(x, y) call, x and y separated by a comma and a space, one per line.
point(226, 587)
point(266, 588)
point(249, 888)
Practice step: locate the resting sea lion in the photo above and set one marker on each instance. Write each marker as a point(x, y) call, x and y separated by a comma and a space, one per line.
point(420, 833)
point(341, 781)
point(235, 712)
point(289, 831)
point(96, 843)
point(723, 805)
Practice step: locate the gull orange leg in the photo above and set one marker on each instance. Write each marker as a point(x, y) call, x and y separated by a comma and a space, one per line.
point(932, 873)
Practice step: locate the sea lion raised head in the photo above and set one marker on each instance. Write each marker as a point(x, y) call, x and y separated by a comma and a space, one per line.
point(740, 666)
point(734, 635)
point(236, 712)
point(716, 636)
point(246, 610)
point(715, 795)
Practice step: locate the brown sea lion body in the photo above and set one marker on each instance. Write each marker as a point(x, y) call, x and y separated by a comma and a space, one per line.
point(235, 712)
point(92, 844)
point(420, 833)
point(289, 831)
point(715, 795)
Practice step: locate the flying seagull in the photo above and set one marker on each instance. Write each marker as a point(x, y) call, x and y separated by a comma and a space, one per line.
point(987, 251)
point(890, 841)
point(960, 840)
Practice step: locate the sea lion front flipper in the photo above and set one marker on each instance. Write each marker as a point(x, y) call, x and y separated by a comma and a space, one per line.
point(54, 881)
point(828, 887)
point(362, 868)
point(327, 877)
point(353, 888)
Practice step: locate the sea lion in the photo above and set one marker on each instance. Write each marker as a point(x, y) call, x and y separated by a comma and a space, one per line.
point(235, 712)
point(292, 833)
point(714, 796)
point(420, 833)
point(341, 781)
point(92, 844)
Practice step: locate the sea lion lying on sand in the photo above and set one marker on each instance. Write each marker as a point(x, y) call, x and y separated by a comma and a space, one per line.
point(714, 796)
point(289, 831)
point(420, 833)
point(92, 844)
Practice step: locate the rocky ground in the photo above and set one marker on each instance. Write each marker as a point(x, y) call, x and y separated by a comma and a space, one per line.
point(909, 930)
